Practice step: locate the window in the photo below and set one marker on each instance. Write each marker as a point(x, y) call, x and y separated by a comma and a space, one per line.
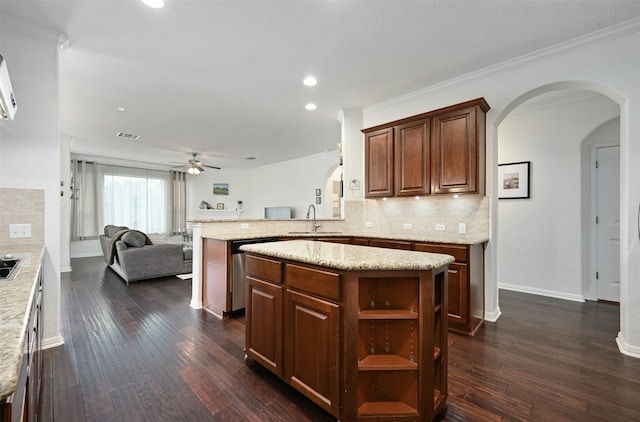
point(152, 201)
point(136, 201)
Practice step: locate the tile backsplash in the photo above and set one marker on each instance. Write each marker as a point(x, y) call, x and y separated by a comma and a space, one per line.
point(21, 206)
point(423, 214)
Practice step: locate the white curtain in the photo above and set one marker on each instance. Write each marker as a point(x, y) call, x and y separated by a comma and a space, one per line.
point(84, 201)
point(136, 198)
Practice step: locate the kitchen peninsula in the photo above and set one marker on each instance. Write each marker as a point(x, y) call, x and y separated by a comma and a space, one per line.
point(213, 243)
point(360, 331)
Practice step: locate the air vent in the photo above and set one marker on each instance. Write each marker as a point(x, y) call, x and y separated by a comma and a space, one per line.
point(127, 136)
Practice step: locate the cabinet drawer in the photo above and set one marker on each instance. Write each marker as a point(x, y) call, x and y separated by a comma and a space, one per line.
point(460, 253)
point(318, 282)
point(264, 268)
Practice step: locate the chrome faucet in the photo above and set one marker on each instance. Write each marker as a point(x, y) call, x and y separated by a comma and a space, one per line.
point(315, 223)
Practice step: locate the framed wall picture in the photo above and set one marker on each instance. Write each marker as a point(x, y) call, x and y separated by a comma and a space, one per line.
point(514, 180)
point(221, 189)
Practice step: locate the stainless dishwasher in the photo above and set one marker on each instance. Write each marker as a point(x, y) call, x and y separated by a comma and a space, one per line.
point(238, 270)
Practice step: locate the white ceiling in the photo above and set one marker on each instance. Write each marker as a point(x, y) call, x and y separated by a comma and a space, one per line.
point(224, 78)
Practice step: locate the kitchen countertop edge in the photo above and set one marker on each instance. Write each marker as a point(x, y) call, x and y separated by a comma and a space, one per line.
point(456, 240)
point(349, 257)
point(16, 303)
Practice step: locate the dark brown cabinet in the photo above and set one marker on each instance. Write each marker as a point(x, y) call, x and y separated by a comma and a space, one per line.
point(412, 158)
point(438, 152)
point(216, 276)
point(465, 285)
point(458, 150)
point(379, 163)
point(263, 323)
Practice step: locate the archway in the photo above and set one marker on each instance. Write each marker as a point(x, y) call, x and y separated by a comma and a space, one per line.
point(493, 267)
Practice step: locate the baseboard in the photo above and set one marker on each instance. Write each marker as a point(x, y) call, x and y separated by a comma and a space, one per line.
point(625, 348)
point(86, 255)
point(66, 269)
point(493, 316)
point(50, 342)
point(542, 292)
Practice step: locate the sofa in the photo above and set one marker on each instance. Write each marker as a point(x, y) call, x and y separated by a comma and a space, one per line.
point(134, 256)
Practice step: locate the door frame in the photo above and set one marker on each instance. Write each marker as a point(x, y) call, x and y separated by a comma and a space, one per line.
point(591, 290)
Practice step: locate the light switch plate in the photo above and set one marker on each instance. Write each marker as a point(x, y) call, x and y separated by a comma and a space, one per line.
point(440, 227)
point(407, 226)
point(19, 231)
point(368, 224)
point(462, 228)
point(244, 225)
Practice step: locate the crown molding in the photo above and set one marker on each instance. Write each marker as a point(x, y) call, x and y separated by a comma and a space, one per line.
point(26, 28)
point(591, 39)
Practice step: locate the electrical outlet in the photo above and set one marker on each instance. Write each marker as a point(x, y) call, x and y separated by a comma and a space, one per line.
point(19, 231)
point(462, 228)
point(244, 225)
point(368, 224)
point(407, 226)
point(440, 227)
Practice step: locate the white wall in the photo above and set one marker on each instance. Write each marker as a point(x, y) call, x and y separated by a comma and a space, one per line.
point(605, 62)
point(541, 238)
point(30, 145)
point(289, 183)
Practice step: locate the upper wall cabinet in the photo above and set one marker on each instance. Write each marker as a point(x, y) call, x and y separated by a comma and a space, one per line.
point(438, 152)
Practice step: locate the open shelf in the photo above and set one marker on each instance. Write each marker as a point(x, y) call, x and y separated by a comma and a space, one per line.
point(386, 408)
point(387, 363)
point(387, 314)
point(437, 397)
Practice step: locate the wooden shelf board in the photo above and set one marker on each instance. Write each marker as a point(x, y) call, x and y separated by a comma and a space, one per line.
point(437, 396)
point(436, 352)
point(387, 314)
point(386, 408)
point(386, 363)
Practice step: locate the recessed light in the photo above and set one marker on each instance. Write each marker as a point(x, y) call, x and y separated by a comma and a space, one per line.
point(154, 4)
point(121, 109)
point(310, 81)
point(311, 106)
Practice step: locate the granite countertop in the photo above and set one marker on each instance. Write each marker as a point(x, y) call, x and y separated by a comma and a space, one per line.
point(465, 239)
point(16, 301)
point(349, 257)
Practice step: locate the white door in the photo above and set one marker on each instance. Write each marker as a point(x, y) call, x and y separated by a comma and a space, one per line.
point(608, 223)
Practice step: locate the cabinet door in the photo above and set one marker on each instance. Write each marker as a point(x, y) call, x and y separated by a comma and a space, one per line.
point(216, 257)
point(263, 333)
point(412, 159)
point(458, 291)
point(391, 244)
point(455, 152)
point(378, 151)
point(312, 349)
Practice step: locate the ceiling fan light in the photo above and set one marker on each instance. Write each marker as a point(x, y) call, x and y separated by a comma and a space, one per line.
point(154, 4)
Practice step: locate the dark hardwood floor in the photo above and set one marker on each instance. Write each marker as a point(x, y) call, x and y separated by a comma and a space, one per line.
point(140, 353)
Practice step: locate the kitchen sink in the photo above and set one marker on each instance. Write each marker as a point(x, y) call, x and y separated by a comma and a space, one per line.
point(8, 270)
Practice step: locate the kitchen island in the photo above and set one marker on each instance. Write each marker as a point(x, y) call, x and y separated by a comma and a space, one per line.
point(360, 331)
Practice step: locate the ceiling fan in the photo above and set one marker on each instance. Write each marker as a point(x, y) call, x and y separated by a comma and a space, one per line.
point(195, 166)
